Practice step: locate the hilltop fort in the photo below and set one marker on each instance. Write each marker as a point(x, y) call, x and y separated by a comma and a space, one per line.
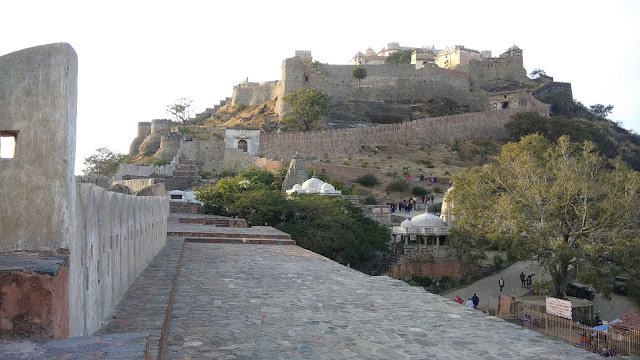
point(475, 95)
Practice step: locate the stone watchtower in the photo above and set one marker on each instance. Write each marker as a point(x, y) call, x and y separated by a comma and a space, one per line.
point(297, 173)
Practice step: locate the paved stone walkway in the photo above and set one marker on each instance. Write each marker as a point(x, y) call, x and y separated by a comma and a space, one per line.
point(144, 306)
point(283, 302)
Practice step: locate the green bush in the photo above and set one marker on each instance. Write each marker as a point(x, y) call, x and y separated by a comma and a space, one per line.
point(419, 280)
point(367, 180)
point(159, 162)
point(239, 107)
point(400, 185)
point(364, 164)
point(437, 189)
point(370, 200)
point(419, 191)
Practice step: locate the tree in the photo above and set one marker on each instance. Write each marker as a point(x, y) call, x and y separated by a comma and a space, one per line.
point(561, 204)
point(399, 57)
point(335, 228)
point(359, 72)
point(307, 107)
point(536, 73)
point(601, 110)
point(180, 111)
point(104, 162)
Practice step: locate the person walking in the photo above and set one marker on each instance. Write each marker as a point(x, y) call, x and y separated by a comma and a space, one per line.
point(501, 284)
point(469, 303)
point(476, 300)
point(523, 280)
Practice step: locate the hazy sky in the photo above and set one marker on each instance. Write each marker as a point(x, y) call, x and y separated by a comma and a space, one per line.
point(137, 57)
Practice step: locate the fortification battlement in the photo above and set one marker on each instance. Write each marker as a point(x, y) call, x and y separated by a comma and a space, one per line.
point(144, 129)
point(160, 126)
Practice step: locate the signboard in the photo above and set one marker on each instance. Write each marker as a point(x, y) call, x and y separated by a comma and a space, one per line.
point(559, 307)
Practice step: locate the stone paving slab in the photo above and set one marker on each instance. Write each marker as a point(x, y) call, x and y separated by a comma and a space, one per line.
point(205, 240)
point(184, 229)
point(284, 302)
point(115, 346)
point(143, 308)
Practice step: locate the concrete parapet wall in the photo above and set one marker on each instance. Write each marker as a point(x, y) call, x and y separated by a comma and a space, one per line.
point(427, 131)
point(38, 95)
point(117, 237)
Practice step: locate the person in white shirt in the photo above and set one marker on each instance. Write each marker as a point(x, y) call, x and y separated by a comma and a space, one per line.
point(470, 303)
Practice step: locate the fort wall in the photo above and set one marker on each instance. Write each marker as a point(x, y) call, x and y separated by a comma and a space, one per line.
point(144, 130)
point(116, 238)
point(553, 88)
point(253, 94)
point(427, 131)
point(108, 238)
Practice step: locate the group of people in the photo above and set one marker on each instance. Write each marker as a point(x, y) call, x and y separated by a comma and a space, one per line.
point(404, 206)
point(430, 180)
point(472, 303)
point(525, 281)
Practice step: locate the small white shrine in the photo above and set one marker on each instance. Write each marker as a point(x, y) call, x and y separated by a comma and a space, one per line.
point(314, 186)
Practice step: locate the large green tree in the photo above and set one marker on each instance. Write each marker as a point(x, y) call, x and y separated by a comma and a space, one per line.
point(326, 225)
point(307, 107)
point(561, 204)
point(104, 162)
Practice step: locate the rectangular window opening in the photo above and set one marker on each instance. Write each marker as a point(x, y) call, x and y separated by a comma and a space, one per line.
point(8, 142)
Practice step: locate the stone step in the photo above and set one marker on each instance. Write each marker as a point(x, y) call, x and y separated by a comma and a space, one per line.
point(236, 240)
point(239, 235)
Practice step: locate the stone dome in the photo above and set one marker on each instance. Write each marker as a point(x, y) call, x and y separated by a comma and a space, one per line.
point(312, 184)
point(370, 52)
point(427, 220)
point(407, 223)
point(327, 187)
point(297, 187)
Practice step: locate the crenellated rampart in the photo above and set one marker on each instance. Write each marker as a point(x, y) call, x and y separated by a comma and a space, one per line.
point(428, 131)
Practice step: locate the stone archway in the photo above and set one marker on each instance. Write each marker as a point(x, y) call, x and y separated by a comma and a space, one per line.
point(242, 145)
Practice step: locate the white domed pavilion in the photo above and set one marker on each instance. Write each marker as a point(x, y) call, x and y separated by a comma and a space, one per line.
point(422, 237)
point(314, 186)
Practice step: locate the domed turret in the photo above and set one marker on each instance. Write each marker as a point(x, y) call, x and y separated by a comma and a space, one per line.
point(327, 187)
point(370, 52)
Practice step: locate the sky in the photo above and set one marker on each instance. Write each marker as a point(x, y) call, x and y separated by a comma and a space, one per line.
point(138, 57)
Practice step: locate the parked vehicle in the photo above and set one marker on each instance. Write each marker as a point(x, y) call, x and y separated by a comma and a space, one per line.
point(620, 285)
point(580, 291)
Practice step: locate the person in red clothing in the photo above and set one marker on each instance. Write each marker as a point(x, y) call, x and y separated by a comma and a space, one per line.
point(458, 299)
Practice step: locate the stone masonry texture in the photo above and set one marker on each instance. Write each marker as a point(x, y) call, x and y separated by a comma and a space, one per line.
point(284, 302)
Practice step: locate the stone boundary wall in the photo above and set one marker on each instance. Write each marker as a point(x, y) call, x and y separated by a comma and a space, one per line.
point(127, 170)
point(406, 269)
point(100, 180)
point(343, 173)
point(427, 131)
point(184, 208)
point(117, 236)
point(552, 88)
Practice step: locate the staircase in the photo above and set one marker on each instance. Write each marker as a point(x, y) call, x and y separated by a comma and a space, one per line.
point(384, 265)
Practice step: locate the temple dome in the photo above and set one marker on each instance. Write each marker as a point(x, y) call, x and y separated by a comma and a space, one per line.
point(327, 187)
point(427, 220)
point(297, 187)
point(407, 223)
point(312, 184)
point(369, 52)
